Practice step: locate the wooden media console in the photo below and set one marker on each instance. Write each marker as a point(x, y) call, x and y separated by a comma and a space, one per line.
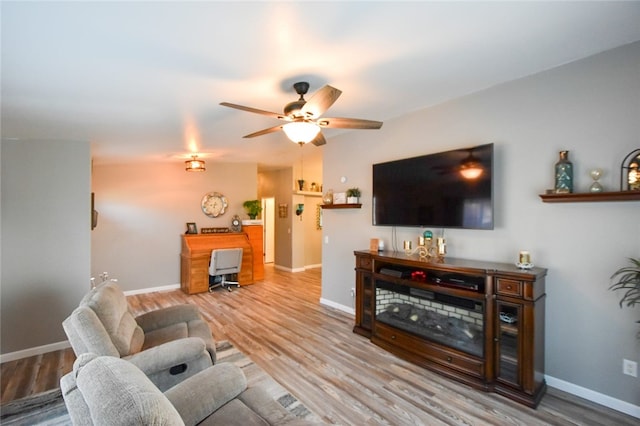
point(481, 323)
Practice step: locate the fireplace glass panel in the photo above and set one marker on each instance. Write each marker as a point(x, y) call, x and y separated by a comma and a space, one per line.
point(453, 321)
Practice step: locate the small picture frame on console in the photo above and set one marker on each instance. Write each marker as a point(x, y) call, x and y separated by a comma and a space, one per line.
point(191, 228)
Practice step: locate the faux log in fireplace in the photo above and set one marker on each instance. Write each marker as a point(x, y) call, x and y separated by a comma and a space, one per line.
point(481, 323)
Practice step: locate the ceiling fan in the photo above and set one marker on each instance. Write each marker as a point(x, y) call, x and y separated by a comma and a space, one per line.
point(303, 117)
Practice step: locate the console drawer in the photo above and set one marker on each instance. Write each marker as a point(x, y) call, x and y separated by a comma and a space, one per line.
point(363, 262)
point(430, 351)
point(507, 287)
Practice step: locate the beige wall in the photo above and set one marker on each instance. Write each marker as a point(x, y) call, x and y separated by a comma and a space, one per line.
point(143, 211)
point(590, 107)
point(298, 244)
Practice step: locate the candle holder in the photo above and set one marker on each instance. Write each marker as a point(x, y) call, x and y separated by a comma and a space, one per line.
point(407, 247)
point(423, 253)
point(596, 186)
point(524, 260)
point(442, 249)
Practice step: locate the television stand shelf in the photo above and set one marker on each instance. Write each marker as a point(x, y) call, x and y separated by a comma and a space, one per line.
point(480, 323)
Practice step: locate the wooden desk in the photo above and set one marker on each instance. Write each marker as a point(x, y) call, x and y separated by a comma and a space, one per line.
point(196, 255)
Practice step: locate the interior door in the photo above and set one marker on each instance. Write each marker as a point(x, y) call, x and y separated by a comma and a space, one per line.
point(268, 217)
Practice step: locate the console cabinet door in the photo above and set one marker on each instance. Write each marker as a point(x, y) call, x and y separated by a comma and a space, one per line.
point(509, 343)
point(365, 298)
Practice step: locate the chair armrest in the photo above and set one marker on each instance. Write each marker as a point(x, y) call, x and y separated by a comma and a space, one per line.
point(213, 388)
point(168, 316)
point(167, 355)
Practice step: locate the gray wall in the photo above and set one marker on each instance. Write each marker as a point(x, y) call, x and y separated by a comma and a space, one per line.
point(591, 108)
point(46, 203)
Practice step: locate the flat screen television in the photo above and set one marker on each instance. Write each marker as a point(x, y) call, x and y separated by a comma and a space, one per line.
point(431, 191)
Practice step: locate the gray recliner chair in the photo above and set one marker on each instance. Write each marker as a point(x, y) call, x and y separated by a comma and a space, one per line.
point(109, 391)
point(168, 344)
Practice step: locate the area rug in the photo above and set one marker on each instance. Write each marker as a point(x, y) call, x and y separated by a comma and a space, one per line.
point(48, 408)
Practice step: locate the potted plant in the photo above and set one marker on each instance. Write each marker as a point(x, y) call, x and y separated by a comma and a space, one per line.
point(353, 195)
point(253, 208)
point(628, 280)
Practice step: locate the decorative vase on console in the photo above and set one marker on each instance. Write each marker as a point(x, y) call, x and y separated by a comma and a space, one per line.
point(564, 174)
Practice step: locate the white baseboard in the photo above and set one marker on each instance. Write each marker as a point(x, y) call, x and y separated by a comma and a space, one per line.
point(304, 268)
point(318, 265)
point(338, 306)
point(169, 287)
point(588, 394)
point(38, 350)
point(593, 396)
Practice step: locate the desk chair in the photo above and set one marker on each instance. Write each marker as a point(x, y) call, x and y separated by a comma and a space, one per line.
point(224, 262)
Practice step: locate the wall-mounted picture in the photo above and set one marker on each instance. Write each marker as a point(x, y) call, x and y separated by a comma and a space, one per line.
point(283, 211)
point(319, 216)
point(191, 228)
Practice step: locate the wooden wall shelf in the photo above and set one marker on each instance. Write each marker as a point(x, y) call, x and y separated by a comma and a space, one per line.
point(341, 206)
point(308, 193)
point(591, 197)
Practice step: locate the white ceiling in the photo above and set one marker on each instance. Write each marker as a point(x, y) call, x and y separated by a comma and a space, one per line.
point(143, 80)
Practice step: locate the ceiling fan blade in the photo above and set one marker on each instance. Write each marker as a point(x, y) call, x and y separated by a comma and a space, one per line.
point(256, 111)
point(264, 131)
point(349, 123)
point(320, 102)
point(319, 140)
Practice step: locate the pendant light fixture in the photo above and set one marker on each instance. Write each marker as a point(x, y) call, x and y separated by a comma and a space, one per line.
point(194, 165)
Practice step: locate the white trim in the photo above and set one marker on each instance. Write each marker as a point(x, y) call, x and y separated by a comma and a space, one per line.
point(593, 396)
point(304, 268)
point(38, 350)
point(588, 394)
point(337, 306)
point(318, 265)
point(282, 268)
point(152, 289)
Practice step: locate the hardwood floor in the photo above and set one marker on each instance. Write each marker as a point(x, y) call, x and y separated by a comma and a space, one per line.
point(311, 350)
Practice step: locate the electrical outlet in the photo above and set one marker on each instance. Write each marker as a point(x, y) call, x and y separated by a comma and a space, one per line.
point(630, 368)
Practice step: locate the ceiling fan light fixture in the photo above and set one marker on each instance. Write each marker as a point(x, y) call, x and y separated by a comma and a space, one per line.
point(301, 131)
point(194, 165)
point(471, 169)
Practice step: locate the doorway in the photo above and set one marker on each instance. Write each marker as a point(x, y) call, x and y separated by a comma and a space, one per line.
point(268, 218)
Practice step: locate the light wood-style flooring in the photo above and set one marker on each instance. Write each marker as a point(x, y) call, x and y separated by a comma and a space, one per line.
point(311, 350)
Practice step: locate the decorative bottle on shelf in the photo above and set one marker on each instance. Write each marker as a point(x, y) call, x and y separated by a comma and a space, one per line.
point(564, 174)
point(596, 186)
point(327, 198)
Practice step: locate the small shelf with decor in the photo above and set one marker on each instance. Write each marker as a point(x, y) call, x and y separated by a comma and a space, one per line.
point(340, 206)
point(308, 193)
point(592, 197)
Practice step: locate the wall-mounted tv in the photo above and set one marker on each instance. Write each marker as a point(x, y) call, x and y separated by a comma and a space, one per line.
point(431, 190)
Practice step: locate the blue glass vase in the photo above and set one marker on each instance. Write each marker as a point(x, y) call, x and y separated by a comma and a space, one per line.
point(564, 174)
